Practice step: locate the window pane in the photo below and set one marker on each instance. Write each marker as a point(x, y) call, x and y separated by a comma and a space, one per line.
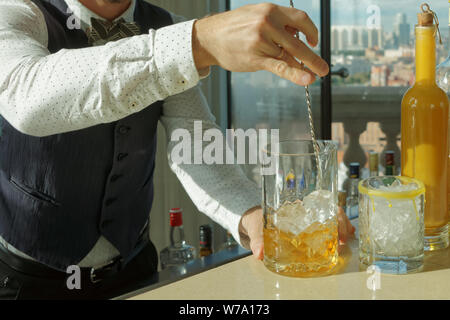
point(374, 40)
point(262, 100)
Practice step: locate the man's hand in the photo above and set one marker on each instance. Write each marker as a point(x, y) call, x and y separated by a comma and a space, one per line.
point(252, 226)
point(259, 37)
point(345, 228)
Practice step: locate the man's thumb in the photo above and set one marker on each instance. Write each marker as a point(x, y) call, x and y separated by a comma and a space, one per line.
point(257, 246)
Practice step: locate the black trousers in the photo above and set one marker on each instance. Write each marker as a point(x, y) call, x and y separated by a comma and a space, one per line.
point(18, 285)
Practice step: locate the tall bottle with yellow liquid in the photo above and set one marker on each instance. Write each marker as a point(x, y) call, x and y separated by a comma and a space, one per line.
point(425, 112)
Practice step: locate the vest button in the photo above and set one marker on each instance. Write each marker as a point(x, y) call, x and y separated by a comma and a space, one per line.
point(121, 156)
point(124, 129)
point(109, 201)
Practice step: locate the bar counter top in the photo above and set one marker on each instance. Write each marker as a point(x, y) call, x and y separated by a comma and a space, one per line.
point(247, 279)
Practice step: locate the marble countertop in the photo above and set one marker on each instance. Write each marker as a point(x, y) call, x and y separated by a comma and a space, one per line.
point(247, 278)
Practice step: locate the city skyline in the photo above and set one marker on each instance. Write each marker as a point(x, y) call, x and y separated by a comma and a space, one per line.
point(389, 10)
point(355, 12)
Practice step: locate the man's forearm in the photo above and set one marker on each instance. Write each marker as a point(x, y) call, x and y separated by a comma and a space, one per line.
point(43, 94)
point(203, 59)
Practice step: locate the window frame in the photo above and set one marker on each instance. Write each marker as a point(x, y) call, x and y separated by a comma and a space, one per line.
point(325, 51)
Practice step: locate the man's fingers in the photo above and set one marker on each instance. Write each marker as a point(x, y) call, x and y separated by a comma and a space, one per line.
point(342, 226)
point(289, 69)
point(257, 247)
point(295, 64)
point(292, 31)
point(253, 223)
point(280, 32)
point(350, 227)
point(345, 220)
point(301, 51)
point(299, 20)
point(255, 234)
point(270, 48)
point(309, 58)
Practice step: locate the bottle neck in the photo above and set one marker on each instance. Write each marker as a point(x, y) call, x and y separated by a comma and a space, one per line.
point(373, 168)
point(353, 190)
point(205, 243)
point(177, 236)
point(425, 55)
point(230, 240)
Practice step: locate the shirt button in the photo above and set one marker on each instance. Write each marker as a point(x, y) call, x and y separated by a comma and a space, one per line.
point(123, 129)
point(121, 156)
point(109, 201)
point(115, 177)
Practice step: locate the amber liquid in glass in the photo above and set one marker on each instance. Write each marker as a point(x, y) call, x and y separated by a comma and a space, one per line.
point(425, 112)
point(312, 252)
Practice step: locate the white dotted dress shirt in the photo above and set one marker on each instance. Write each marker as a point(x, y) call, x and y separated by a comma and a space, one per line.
point(44, 94)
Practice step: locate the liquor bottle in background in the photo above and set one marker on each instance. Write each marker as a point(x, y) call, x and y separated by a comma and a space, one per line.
point(425, 112)
point(205, 241)
point(290, 190)
point(373, 163)
point(443, 81)
point(178, 252)
point(229, 243)
point(352, 194)
point(389, 168)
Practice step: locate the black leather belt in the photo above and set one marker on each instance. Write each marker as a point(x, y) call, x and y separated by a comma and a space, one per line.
point(94, 274)
point(99, 273)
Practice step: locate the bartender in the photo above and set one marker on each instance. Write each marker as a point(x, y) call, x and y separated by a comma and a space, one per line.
point(83, 84)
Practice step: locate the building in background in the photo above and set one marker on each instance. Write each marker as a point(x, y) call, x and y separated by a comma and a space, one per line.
point(402, 30)
point(379, 75)
point(349, 38)
point(356, 38)
point(402, 75)
point(375, 38)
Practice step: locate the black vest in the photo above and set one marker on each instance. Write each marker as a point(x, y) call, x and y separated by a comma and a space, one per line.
point(58, 194)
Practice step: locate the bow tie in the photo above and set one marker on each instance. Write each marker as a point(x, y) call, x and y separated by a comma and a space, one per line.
point(102, 31)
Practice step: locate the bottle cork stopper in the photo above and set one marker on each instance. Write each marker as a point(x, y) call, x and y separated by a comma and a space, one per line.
point(426, 17)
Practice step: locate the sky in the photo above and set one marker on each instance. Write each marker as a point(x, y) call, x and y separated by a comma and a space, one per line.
point(354, 12)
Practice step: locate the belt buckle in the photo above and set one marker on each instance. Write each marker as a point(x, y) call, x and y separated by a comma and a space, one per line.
point(93, 271)
point(93, 276)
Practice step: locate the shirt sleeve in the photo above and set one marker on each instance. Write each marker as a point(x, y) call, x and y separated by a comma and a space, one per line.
point(43, 94)
point(221, 191)
point(179, 19)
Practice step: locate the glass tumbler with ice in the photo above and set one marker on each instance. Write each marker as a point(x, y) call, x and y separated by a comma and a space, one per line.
point(300, 209)
point(391, 224)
